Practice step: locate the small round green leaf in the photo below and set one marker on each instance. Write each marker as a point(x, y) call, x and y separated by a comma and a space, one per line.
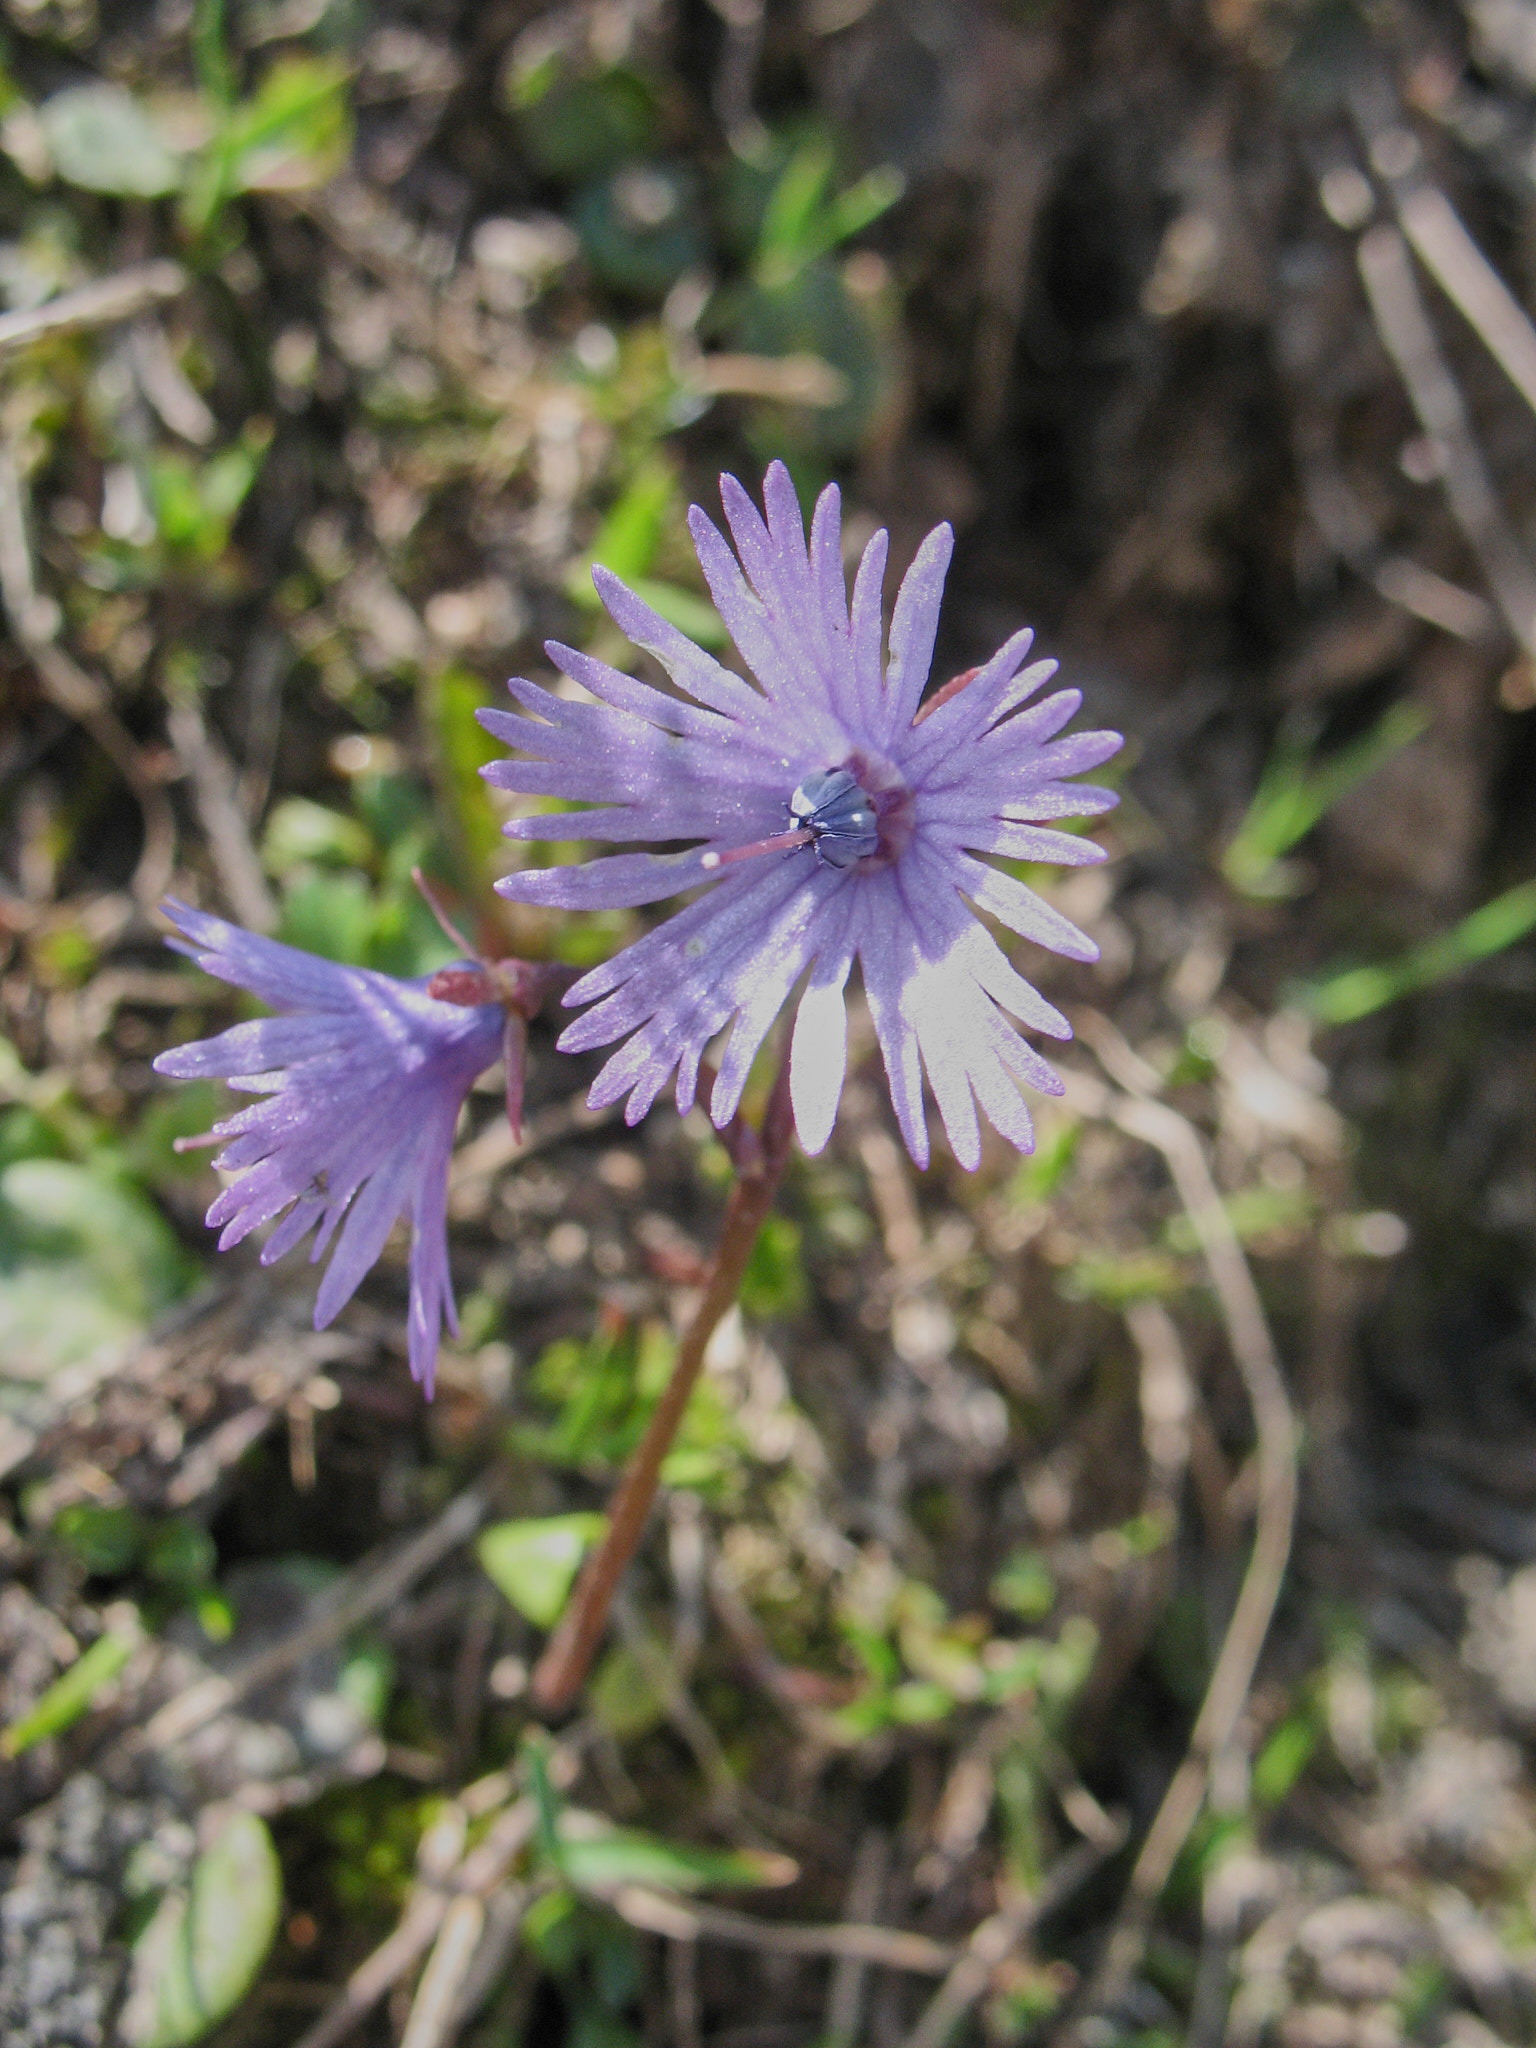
point(102, 139)
point(533, 1563)
point(200, 1953)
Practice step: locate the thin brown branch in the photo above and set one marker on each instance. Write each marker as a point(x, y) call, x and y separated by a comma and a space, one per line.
point(997, 1938)
point(101, 303)
point(368, 1591)
point(679, 1919)
point(216, 794)
point(1253, 1351)
point(1410, 340)
point(34, 619)
point(558, 1676)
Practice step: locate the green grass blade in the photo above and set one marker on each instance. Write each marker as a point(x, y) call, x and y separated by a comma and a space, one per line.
point(1360, 991)
point(1293, 796)
point(69, 1697)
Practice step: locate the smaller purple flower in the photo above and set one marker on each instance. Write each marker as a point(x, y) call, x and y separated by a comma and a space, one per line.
point(361, 1078)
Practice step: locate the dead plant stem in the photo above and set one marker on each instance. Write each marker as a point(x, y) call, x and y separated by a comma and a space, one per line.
point(1258, 1365)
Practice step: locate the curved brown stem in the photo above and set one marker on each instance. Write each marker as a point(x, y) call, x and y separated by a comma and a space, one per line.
point(760, 1166)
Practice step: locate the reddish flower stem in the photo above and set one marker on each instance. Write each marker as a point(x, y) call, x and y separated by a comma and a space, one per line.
point(760, 1159)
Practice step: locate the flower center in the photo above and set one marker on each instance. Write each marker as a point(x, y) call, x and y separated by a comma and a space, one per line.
point(840, 816)
point(856, 815)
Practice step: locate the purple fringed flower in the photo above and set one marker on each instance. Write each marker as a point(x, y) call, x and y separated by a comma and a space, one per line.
point(837, 821)
point(362, 1079)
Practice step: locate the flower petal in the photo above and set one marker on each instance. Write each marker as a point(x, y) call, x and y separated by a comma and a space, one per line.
point(1022, 910)
point(866, 629)
point(981, 774)
point(621, 881)
point(689, 666)
point(914, 628)
point(818, 1060)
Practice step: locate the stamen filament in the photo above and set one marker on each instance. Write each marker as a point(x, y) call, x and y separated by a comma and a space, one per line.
point(449, 929)
point(781, 842)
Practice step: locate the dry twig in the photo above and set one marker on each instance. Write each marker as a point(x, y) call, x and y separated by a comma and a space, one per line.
point(1441, 241)
point(1342, 520)
point(216, 794)
point(1410, 340)
point(101, 303)
point(845, 1996)
point(789, 380)
point(34, 619)
point(447, 1971)
point(996, 1939)
point(1253, 1350)
point(366, 1592)
point(677, 1919)
point(474, 1876)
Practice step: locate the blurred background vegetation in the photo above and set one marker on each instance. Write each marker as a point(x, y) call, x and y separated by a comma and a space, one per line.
point(339, 341)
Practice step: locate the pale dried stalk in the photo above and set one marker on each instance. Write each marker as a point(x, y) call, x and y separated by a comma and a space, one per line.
point(475, 1877)
point(34, 619)
point(677, 1919)
point(216, 794)
point(447, 1970)
point(1410, 340)
point(845, 1995)
point(790, 380)
point(997, 1938)
point(99, 304)
point(1258, 1365)
point(367, 1592)
point(1443, 245)
point(1342, 521)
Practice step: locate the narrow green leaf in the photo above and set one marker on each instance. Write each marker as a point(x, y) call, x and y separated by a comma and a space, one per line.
point(210, 55)
point(602, 1862)
point(800, 224)
point(1283, 1759)
point(786, 241)
point(1293, 796)
point(1359, 991)
point(630, 537)
point(461, 748)
point(851, 212)
point(295, 132)
point(291, 136)
point(69, 1696)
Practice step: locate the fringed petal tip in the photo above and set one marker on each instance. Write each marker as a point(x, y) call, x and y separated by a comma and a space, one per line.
point(359, 1083)
point(980, 771)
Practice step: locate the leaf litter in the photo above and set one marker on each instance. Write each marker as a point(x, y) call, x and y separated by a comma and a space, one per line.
point(957, 1528)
